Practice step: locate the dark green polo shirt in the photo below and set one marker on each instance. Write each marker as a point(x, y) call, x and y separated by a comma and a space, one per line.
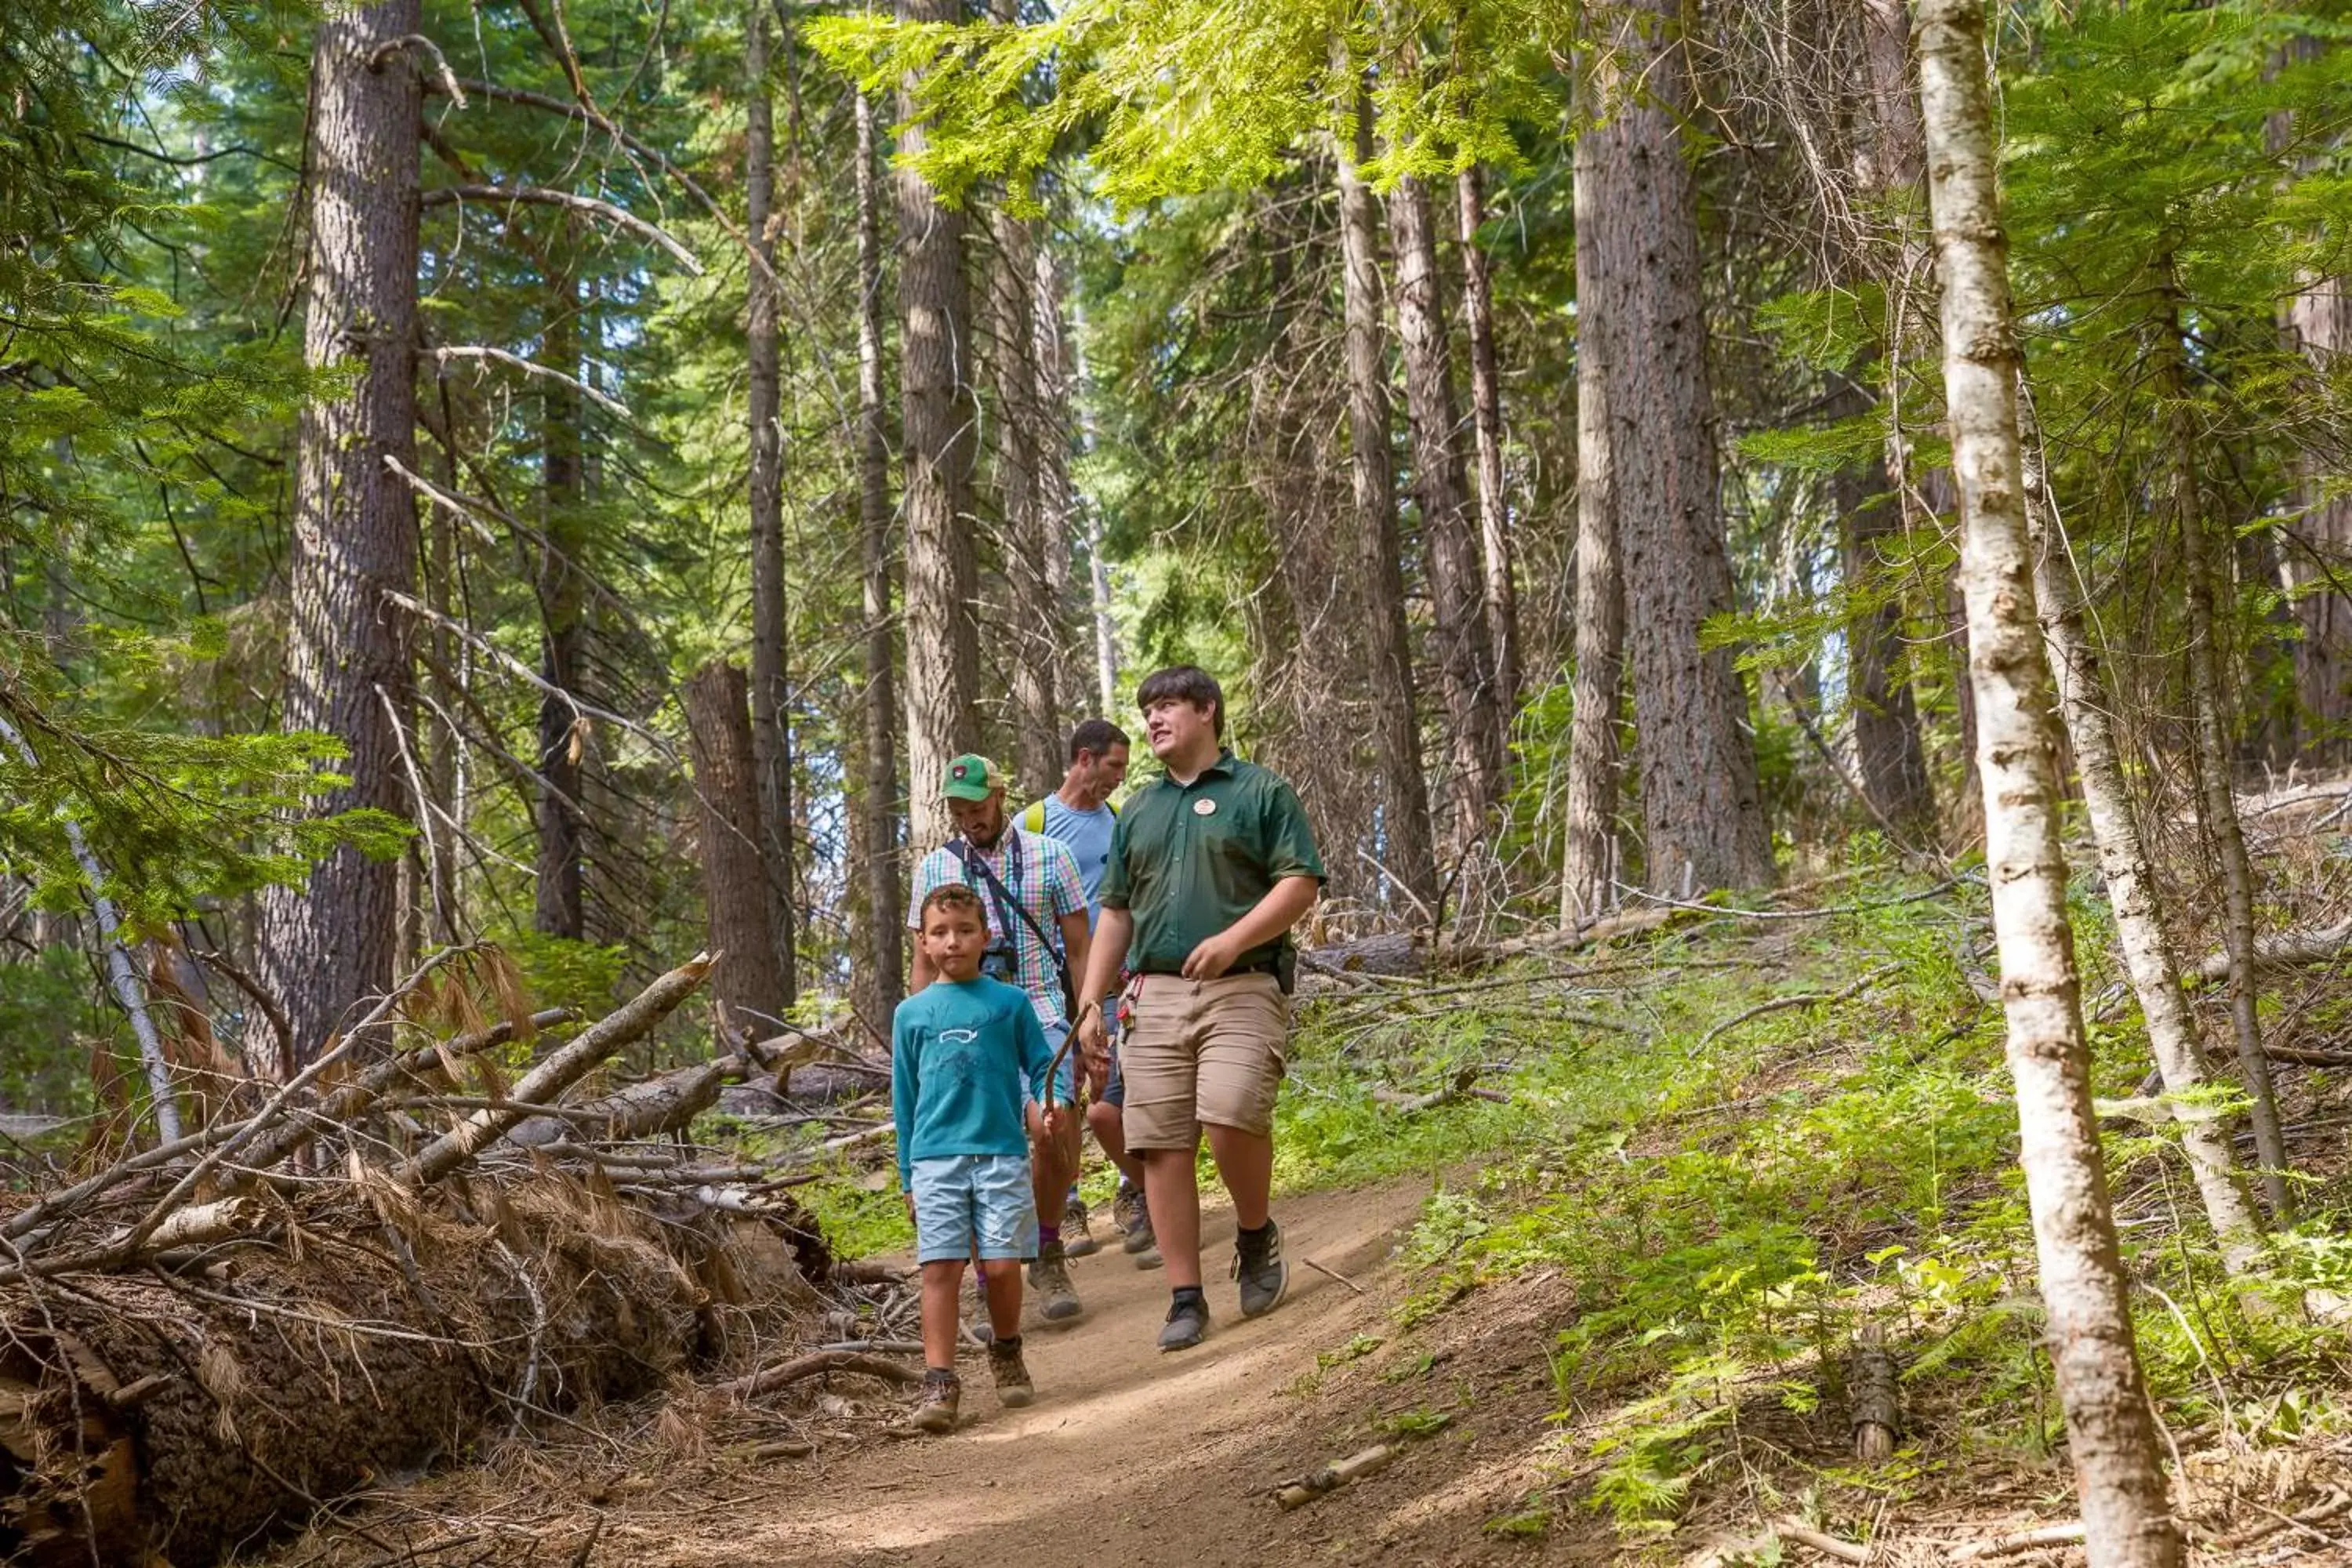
point(1188, 860)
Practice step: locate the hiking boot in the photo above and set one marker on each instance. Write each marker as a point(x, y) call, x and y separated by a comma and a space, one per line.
point(936, 1411)
point(1013, 1388)
point(1049, 1276)
point(1077, 1240)
point(1257, 1264)
point(1129, 1212)
point(1188, 1325)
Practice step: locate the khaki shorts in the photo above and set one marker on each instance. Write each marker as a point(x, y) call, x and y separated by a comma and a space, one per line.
point(1202, 1051)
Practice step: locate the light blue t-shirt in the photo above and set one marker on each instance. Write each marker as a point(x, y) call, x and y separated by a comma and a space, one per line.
point(958, 1054)
point(1087, 833)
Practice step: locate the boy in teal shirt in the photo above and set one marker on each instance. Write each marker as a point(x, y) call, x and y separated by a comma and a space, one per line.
point(959, 1049)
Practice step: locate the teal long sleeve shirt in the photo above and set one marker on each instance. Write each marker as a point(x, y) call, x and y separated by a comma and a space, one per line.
point(957, 1049)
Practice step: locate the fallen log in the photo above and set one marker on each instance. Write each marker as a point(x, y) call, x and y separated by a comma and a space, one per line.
point(2284, 951)
point(1300, 1491)
point(818, 1364)
point(665, 1103)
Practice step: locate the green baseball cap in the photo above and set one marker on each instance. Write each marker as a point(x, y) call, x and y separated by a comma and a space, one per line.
point(972, 777)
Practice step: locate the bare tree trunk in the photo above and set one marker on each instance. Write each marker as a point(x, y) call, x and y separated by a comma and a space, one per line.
point(1397, 742)
point(882, 978)
point(1702, 811)
point(749, 981)
point(1057, 499)
point(326, 944)
point(2111, 1434)
point(1486, 409)
point(1589, 859)
point(1465, 655)
point(1889, 752)
point(559, 893)
point(2140, 928)
point(938, 413)
point(2209, 699)
point(772, 731)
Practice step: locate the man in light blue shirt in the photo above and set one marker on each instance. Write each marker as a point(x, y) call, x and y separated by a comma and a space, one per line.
point(1080, 815)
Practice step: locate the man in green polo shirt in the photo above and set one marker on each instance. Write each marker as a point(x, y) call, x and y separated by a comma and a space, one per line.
point(1210, 868)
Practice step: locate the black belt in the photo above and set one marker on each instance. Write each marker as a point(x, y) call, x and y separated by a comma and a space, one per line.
point(1262, 966)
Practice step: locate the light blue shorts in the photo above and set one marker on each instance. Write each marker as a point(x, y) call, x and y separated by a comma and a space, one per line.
point(962, 1199)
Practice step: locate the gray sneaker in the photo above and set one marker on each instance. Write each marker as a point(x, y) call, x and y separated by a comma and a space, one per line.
point(1049, 1276)
point(1264, 1277)
point(1188, 1325)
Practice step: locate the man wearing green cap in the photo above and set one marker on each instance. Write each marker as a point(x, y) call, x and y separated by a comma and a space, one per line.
point(1038, 941)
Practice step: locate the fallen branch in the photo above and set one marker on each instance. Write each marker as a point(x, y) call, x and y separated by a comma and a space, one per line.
point(1828, 1545)
point(200, 1225)
point(573, 1061)
point(2308, 1055)
point(1784, 1004)
point(1300, 1491)
point(817, 1363)
point(2067, 1534)
point(1461, 1087)
point(2284, 951)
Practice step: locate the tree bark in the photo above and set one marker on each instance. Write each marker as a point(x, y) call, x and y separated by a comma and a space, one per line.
point(2111, 1434)
point(1589, 859)
point(1486, 423)
point(2149, 953)
point(939, 415)
point(1378, 556)
point(1457, 589)
point(772, 733)
point(882, 980)
point(559, 893)
point(735, 879)
point(1703, 815)
point(2209, 701)
point(1057, 499)
point(1889, 752)
point(326, 944)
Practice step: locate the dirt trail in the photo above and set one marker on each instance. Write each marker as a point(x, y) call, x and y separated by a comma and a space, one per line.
point(1128, 1456)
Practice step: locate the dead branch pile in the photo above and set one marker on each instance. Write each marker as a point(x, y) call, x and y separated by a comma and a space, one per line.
point(208, 1340)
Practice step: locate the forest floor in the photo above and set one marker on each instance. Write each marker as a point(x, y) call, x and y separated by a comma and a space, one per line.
point(1605, 1313)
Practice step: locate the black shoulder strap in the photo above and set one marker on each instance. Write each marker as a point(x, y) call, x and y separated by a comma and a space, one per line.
point(1006, 896)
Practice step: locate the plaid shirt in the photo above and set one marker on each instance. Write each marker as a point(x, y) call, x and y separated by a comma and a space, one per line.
point(1046, 882)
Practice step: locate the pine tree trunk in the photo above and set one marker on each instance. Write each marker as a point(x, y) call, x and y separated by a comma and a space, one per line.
point(1379, 556)
point(1465, 654)
point(1486, 409)
point(1589, 859)
point(1702, 812)
point(938, 415)
point(882, 974)
point(2209, 699)
point(325, 946)
point(559, 892)
point(771, 734)
point(748, 980)
point(1889, 752)
point(2111, 1434)
point(2149, 953)
point(1030, 644)
point(1057, 499)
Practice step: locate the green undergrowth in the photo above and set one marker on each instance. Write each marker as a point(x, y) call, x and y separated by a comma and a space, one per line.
point(1731, 1203)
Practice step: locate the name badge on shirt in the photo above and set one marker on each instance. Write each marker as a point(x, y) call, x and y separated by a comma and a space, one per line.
point(1204, 807)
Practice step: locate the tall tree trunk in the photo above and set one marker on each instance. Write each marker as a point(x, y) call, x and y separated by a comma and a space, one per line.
point(2319, 325)
point(1466, 653)
point(2209, 701)
point(1589, 859)
point(748, 980)
point(1486, 423)
point(2149, 953)
point(882, 974)
point(1397, 738)
point(2111, 1434)
point(327, 943)
point(772, 733)
point(1889, 752)
point(1057, 499)
point(1702, 813)
point(938, 414)
point(559, 892)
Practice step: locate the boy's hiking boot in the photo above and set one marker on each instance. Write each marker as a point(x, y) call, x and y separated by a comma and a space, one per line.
point(1049, 1276)
point(1188, 1324)
point(1013, 1388)
point(936, 1410)
point(1257, 1264)
point(1077, 1240)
